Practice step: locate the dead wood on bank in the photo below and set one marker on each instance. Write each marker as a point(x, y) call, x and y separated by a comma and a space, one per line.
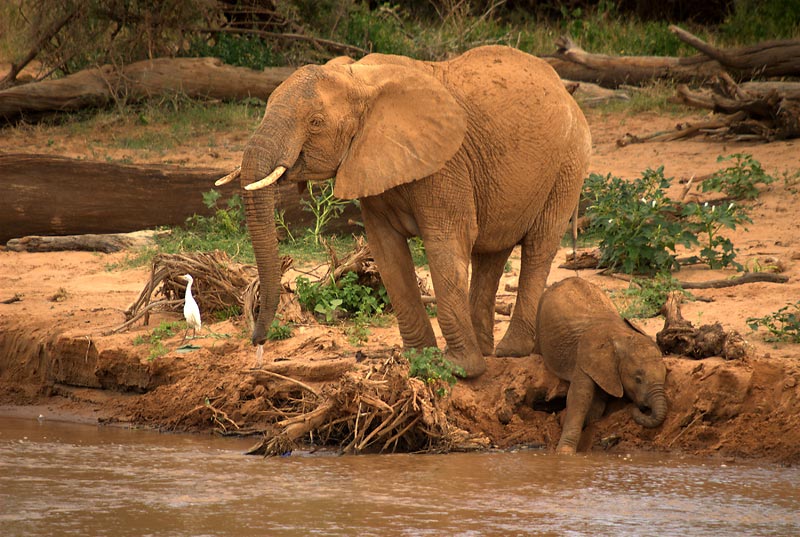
point(202, 78)
point(107, 243)
point(680, 337)
point(374, 406)
point(218, 284)
point(50, 195)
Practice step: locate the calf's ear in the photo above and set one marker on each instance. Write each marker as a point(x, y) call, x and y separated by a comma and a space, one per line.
point(597, 357)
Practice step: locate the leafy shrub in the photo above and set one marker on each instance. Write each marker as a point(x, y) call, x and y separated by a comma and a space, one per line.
point(278, 330)
point(644, 298)
point(783, 325)
point(717, 251)
point(323, 205)
point(634, 222)
point(431, 366)
point(346, 297)
point(738, 181)
point(639, 226)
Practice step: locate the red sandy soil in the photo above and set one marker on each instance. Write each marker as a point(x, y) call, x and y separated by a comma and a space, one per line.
point(53, 354)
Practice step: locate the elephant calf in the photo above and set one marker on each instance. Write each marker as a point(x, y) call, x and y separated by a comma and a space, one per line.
point(584, 340)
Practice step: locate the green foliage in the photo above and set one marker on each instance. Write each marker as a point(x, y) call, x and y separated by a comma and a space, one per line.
point(346, 297)
point(358, 331)
point(633, 220)
point(645, 296)
point(718, 251)
point(418, 254)
point(225, 230)
point(738, 181)
point(164, 330)
point(783, 325)
point(751, 21)
point(432, 367)
point(229, 312)
point(239, 50)
point(323, 205)
point(278, 330)
point(639, 226)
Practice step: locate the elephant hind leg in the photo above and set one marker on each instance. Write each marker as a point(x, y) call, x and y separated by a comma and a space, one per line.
point(486, 272)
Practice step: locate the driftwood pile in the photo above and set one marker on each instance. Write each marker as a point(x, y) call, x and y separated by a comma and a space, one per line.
point(218, 285)
point(372, 407)
point(680, 337)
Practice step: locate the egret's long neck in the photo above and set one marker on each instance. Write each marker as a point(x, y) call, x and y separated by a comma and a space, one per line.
point(189, 289)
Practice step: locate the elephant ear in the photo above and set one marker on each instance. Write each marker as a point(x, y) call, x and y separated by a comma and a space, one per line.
point(411, 126)
point(598, 358)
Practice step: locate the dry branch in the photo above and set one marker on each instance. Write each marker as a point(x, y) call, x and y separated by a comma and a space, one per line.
point(769, 58)
point(107, 243)
point(574, 63)
point(749, 277)
point(680, 337)
point(206, 78)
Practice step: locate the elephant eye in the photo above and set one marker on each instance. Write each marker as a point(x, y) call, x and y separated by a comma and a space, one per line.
point(316, 121)
point(638, 379)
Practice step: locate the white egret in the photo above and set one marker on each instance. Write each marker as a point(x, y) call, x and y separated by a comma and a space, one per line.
point(191, 311)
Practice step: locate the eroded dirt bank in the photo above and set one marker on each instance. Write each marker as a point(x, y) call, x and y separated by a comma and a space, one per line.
point(53, 353)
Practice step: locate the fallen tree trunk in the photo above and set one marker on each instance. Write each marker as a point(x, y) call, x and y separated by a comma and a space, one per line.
point(769, 58)
point(194, 77)
point(574, 63)
point(47, 195)
point(680, 337)
point(107, 243)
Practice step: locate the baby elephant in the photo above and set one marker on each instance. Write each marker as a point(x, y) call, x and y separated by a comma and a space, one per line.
point(584, 340)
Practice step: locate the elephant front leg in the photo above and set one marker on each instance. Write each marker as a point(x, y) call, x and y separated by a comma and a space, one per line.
point(391, 252)
point(580, 399)
point(449, 263)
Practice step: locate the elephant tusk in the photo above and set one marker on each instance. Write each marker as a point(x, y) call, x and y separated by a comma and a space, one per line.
point(230, 177)
point(268, 180)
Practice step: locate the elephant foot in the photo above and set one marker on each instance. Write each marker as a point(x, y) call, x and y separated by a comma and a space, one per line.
point(565, 450)
point(473, 363)
point(486, 345)
point(515, 343)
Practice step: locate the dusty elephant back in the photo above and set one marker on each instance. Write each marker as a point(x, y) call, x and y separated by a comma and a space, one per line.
point(569, 310)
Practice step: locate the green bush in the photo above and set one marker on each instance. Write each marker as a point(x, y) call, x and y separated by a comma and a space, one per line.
point(644, 298)
point(639, 226)
point(740, 180)
point(225, 230)
point(278, 330)
point(634, 221)
point(431, 367)
point(783, 325)
point(345, 298)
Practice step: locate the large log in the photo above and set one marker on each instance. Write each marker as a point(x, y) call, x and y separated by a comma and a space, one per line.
point(47, 195)
point(768, 58)
point(194, 77)
point(574, 63)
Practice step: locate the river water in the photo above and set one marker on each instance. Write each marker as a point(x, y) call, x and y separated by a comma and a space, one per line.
point(68, 479)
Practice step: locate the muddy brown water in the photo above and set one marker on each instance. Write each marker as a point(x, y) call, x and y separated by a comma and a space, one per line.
point(60, 478)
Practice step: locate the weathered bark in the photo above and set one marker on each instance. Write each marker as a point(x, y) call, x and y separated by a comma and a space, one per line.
point(574, 63)
point(48, 195)
point(680, 337)
point(107, 243)
point(194, 77)
point(769, 58)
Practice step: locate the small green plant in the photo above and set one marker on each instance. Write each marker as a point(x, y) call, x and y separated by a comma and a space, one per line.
point(632, 219)
point(431, 366)
point(740, 180)
point(323, 205)
point(717, 251)
point(783, 325)
point(278, 330)
point(345, 297)
point(358, 331)
point(164, 330)
point(645, 296)
point(225, 230)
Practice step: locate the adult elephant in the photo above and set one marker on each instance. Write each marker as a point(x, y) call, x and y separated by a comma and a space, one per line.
point(475, 155)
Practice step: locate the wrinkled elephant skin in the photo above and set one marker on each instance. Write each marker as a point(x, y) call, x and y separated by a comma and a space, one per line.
point(475, 155)
point(583, 340)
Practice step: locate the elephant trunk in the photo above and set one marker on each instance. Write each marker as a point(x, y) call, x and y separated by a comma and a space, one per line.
point(259, 208)
point(656, 401)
